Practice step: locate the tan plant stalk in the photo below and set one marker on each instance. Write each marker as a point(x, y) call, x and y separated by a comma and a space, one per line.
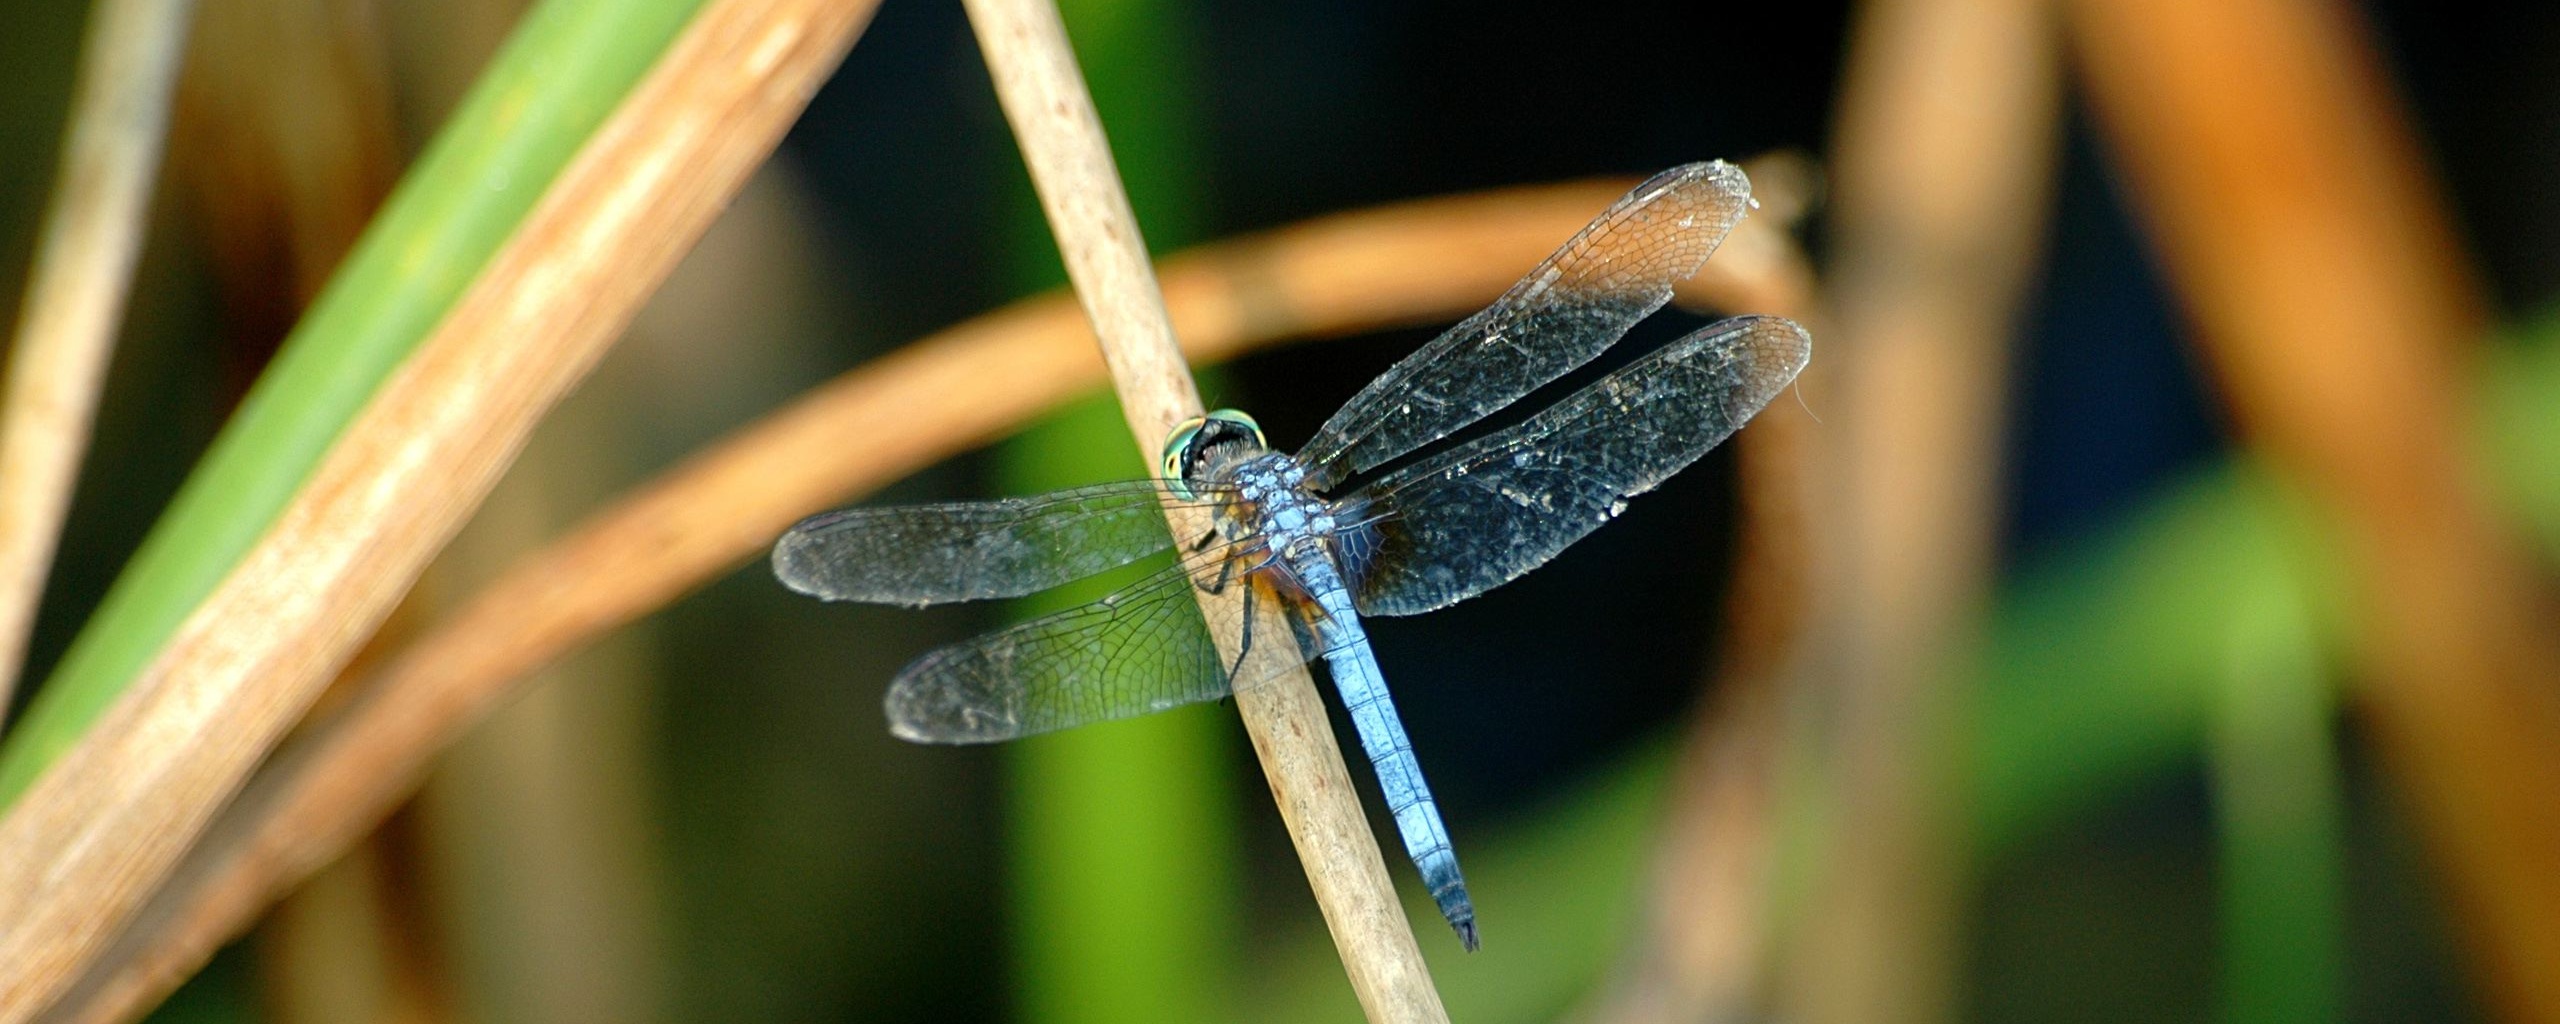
point(1053, 119)
point(83, 848)
point(1943, 160)
point(83, 270)
point(2299, 225)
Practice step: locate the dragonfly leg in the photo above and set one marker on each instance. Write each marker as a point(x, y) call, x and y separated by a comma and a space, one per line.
point(1226, 574)
point(1263, 559)
point(1244, 645)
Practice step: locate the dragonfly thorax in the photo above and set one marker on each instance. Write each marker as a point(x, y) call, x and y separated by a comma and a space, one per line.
point(1272, 502)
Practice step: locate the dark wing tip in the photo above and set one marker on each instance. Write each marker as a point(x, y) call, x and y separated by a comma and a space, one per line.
point(929, 702)
point(786, 558)
point(1723, 177)
point(1707, 184)
point(1768, 353)
point(1661, 231)
point(1784, 344)
point(795, 565)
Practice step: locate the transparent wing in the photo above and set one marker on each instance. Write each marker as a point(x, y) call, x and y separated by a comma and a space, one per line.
point(970, 551)
point(1615, 272)
point(1480, 515)
point(1144, 648)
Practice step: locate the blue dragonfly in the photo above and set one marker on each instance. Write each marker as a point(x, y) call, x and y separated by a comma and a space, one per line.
point(1302, 530)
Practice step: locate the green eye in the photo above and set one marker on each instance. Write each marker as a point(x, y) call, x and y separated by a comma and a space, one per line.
point(1176, 446)
point(1191, 437)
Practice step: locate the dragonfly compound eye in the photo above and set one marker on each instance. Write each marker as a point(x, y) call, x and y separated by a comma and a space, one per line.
point(1186, 449)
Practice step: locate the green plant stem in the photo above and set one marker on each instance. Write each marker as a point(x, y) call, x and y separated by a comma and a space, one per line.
point(2272, 760)
point(568, 64)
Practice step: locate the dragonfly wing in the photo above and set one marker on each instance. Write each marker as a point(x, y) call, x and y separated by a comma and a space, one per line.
point(1144, 648)
point(970, 551)
point(1480, 515)
point(1572, 307)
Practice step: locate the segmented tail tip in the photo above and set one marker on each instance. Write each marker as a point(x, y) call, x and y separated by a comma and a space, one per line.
point(1450, 892)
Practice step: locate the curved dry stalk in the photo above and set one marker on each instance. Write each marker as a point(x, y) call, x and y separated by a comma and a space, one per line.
point(2301, 230)
point(75, 298)
point(83, 849)
point(1411, 263)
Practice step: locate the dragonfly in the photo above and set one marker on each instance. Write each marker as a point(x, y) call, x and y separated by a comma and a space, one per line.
point(1345, 528)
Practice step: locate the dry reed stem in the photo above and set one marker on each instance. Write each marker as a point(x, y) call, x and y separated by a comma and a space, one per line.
point(1942, 164)
point(1410, 263)
point(1053, 120)
point(1702, 955)
point(83, 270)
point(98, 832)
point(2299, 226)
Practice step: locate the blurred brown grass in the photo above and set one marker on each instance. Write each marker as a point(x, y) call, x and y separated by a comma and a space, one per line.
point(1943, 157)
point(2301, 228)
point(2299, 224)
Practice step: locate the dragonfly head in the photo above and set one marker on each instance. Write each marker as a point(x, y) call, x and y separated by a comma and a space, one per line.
point(1187, 450)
